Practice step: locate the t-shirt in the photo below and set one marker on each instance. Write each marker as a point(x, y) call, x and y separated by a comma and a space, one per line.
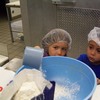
point(45, 54)
point(95, 68)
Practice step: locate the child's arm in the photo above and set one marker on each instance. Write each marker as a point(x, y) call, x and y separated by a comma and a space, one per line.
point(98, 81)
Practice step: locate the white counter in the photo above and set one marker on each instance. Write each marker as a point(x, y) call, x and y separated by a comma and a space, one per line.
point(96, 95)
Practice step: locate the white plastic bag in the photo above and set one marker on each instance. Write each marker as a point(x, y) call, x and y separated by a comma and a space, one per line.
point(5, 77)
point(26, 75)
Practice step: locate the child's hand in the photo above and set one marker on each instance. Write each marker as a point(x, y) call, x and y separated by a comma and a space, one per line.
point(98, 81)
point(36, 47)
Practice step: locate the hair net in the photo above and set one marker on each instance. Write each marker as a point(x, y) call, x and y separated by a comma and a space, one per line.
point(94, 35)
point(56, 35)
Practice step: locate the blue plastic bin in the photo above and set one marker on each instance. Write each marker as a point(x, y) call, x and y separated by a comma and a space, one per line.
point(66, 71)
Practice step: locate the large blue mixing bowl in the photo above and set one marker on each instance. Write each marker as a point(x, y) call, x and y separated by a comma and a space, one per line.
point(70, 72)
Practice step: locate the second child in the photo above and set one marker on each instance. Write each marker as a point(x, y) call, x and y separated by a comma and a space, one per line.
point(92, 58)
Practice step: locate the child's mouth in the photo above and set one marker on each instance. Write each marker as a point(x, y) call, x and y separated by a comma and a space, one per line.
point(91, 59)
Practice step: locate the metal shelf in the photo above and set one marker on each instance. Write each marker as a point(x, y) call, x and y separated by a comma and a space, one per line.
point(12, 20)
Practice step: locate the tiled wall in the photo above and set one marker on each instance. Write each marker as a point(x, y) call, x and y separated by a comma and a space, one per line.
point(39, 17)
point(78, 22)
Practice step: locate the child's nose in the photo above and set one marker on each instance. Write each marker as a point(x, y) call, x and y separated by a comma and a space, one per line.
point(59, 52)
point(93, 52)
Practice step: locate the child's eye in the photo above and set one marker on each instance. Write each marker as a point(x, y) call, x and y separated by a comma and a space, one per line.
point(64, 49)
point(55, 47)
point(98, 50)
point(90, 47)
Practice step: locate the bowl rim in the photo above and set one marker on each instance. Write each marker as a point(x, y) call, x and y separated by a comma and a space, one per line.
point(95, 81)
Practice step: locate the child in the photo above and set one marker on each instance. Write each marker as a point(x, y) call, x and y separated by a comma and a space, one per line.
point(57, 42)
point(92, 58)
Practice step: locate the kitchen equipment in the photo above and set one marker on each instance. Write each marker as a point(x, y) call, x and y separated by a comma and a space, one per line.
point(76, 78)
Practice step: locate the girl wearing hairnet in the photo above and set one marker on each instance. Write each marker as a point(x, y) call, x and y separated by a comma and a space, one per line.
point(57, 42)
point(92, 58)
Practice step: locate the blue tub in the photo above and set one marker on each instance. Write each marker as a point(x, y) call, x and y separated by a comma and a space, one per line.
point(70, 73)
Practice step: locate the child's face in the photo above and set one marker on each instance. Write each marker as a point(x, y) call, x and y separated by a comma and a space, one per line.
point(58, 49)
point(93, 52)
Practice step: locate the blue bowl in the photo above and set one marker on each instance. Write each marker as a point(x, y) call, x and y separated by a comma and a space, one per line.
point(72, 74)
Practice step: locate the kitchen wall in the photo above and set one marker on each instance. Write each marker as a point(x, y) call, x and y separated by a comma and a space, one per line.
point(88, 4)
point(39, 17)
